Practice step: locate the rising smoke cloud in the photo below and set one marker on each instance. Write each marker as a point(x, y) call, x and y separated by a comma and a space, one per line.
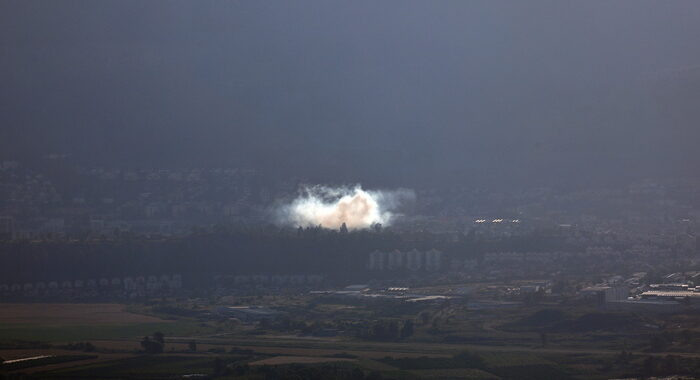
point(330, 207)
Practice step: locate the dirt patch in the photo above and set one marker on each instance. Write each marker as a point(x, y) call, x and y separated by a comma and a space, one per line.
point(61, 314)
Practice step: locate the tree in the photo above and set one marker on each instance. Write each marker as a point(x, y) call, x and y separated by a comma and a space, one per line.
point(424, 317)
point(219, 367)
point(146, 344)
point(670, 364)
point(466, 359)
point(658, 343)
point(378, 331)
point(240, 369)
point(153, 346)
point(436, 324)
point(687, 336)
point(89, 347)
point(561, 286)
point(407, 328)
point(343, 228)
point(159, 337)
point(624, 357)
point(649, 366)
point(393, 329)
point(686, 301)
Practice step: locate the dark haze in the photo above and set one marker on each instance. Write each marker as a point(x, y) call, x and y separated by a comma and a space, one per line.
point(389, 93)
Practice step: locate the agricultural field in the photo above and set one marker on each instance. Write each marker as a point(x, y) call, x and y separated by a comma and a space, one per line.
point(448, 341)
point(59, 314)
point(43, 337)
point(55, 323)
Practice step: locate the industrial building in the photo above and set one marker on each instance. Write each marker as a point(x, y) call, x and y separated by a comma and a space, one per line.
point(605, 294)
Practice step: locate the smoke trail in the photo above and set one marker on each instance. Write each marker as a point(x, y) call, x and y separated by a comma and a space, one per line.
point(331, 207)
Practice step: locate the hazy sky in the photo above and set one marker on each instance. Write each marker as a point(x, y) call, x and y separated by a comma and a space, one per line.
point(384, 92)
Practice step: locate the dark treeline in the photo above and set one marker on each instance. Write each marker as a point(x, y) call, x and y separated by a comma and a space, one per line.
point(238, 251)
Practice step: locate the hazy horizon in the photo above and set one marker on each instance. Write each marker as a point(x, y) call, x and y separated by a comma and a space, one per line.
point(389, 93)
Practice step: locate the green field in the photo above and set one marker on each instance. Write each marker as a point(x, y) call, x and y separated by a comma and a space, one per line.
point(447, 342)
point(71, 333)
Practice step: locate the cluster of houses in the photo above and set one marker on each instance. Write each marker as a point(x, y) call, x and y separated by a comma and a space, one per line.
point(514, 257)
point(137, 286)
point(414, 260)
point(269, 280)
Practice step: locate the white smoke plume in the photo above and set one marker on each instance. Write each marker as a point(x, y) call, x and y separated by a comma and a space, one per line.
point(330, 207)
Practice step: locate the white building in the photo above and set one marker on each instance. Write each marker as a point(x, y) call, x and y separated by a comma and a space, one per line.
point(377, 260)
point(396, 260)
point(414, 260)
point(433, 260)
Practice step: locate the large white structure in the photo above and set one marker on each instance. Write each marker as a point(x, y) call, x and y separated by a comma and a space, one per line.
point(605, 294)
point(412, 260)
point(377, 260)
point(396, 260)
point(433, 260)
